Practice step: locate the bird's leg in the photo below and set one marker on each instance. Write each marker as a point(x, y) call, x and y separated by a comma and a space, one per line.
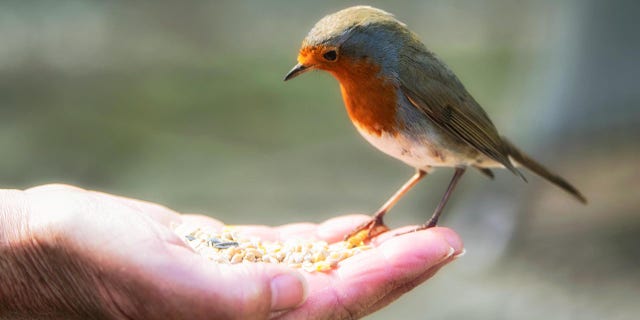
point(376, 226)
point(433, 221)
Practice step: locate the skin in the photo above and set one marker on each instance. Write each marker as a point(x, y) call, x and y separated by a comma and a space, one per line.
point(69, 253)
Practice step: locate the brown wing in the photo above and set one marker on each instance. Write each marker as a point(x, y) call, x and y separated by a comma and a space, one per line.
point(434, 90)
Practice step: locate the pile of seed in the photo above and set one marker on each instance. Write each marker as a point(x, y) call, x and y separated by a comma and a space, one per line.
point(228, 246)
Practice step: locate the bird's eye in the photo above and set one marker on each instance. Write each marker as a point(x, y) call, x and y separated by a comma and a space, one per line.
point(330, 55)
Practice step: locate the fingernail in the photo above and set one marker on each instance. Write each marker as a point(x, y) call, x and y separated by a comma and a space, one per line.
point(288, 290)
point(451, 252)
point(454, 241)
point(445, 258)
point(462, 253)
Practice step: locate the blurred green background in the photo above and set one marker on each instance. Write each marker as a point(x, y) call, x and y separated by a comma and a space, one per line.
point(182, 103)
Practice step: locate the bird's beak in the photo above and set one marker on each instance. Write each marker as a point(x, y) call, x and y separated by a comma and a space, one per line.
point(297, 70)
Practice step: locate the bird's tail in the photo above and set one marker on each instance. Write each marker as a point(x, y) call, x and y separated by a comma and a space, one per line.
point(523, 159)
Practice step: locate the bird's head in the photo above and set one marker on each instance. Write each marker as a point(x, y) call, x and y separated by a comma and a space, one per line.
point(352, 37)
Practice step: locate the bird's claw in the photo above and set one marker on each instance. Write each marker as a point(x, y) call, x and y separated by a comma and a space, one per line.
point(374, 228)
point(420, 228)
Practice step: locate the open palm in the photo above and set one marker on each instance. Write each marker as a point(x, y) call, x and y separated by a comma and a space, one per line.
point(124, 254)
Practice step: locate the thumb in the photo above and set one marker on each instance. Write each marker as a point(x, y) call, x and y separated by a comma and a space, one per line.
point(239, 291)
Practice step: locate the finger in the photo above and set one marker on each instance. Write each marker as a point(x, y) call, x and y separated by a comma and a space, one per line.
point(193, 222)
point(451, 236)
point(301, 230)
point(360, 281)
point(54, 187)
point(402, 288)
point(262, 232)
point(331, 230)
point(335, 229)
point(399, 259)
point(202, 220)
point(240, 291)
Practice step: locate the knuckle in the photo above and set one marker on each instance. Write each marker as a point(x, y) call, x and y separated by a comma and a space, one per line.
point(54, 187)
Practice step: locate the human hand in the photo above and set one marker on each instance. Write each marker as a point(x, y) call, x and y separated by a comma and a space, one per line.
point(363, 283)
point(71, 253)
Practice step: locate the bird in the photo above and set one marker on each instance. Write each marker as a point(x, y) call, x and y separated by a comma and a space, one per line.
point(406, 102)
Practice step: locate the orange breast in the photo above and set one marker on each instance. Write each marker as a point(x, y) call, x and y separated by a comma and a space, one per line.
point(370, 100)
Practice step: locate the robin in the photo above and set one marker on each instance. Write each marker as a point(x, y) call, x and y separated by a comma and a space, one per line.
point(406, 102)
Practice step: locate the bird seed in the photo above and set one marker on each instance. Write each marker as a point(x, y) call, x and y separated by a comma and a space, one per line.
point(229, 247)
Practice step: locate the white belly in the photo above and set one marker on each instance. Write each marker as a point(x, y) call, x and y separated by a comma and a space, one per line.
point(418, 154)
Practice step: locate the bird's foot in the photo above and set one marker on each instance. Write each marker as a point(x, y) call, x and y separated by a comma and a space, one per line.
point(367, 230)
point(429, 224)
